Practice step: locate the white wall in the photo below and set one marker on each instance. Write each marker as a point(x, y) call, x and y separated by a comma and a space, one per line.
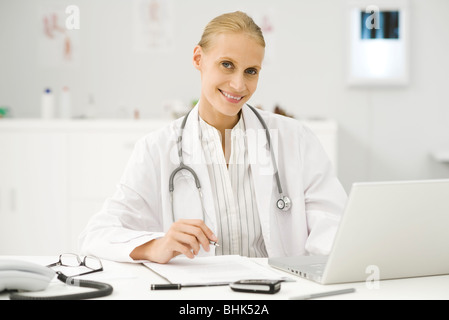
point(385, 134)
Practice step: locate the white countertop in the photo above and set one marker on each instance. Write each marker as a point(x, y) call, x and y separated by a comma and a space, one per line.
point(67, 124)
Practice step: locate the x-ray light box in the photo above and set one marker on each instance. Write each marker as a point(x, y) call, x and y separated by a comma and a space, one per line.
point(378, 43)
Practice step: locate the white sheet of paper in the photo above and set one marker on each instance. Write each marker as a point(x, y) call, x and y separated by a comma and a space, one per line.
point(204, 270)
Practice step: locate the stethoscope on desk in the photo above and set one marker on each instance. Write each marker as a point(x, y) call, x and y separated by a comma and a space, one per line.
point(283, 203)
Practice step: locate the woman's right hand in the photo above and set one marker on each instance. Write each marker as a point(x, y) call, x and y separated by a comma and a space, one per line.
point(184, 237)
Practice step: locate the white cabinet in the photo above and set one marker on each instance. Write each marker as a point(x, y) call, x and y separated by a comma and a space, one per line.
point(33, 196)
point(55, 174)
point(327, 132)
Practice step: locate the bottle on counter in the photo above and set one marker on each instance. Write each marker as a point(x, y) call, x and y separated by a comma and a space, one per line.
point(47, 104)
point(91, 111)
point(65, 107)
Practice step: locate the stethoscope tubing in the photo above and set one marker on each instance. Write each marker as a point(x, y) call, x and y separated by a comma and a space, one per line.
point(283, 203)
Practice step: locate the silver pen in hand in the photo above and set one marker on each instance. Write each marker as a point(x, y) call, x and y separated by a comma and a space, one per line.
point(214, 243)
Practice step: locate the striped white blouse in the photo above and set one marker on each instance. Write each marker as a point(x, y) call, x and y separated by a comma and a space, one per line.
point(239, 230)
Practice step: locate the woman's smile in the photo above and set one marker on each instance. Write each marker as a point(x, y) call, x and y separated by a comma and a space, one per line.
point(230, 97)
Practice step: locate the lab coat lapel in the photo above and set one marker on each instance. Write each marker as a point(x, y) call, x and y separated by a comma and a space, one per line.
point(261, 170)
point(194, 158)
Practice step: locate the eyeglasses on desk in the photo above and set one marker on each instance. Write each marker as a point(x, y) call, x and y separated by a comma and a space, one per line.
point(73, 260)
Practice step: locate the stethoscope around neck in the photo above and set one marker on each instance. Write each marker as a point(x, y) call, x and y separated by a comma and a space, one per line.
point(283, 203)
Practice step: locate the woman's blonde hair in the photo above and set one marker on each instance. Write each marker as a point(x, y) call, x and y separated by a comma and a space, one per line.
point(231, 22)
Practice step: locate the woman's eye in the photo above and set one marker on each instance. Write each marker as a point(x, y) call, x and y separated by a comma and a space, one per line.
point(251, 71)
point(227, 65)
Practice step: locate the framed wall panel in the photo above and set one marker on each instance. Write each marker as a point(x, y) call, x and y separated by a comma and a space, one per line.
point(378, 43)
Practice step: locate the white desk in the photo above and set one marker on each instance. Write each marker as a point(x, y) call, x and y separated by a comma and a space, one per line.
point(132, 281)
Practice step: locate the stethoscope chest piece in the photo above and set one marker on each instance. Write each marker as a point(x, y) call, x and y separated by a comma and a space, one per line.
point(284, 203)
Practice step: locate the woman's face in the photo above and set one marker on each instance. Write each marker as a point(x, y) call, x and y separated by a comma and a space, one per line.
point(229, 73)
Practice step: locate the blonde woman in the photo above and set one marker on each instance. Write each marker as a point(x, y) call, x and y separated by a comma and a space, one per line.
point(230, 179)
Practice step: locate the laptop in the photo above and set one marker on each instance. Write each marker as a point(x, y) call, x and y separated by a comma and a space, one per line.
point(389, 230)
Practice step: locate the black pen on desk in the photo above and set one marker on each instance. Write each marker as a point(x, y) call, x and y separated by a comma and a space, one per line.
point(178, 286)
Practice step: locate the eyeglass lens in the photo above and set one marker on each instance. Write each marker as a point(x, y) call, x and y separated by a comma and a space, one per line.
point(92, 263)
point(70, 260)
point(73, 260)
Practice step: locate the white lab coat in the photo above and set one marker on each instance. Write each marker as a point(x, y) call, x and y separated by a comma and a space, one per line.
point(141, 210)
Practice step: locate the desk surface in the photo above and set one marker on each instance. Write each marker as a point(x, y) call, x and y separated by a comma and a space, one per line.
point(132, 281)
